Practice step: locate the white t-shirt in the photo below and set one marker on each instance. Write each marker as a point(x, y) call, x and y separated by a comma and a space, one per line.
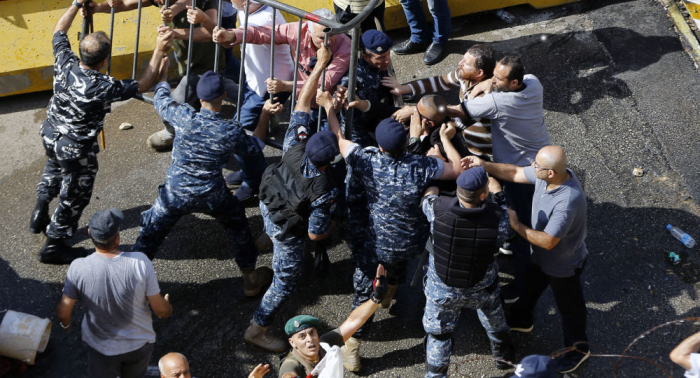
point(694, 371)
point(257, 57)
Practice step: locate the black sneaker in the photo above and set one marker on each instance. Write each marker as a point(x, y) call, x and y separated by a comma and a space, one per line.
point(571, 361)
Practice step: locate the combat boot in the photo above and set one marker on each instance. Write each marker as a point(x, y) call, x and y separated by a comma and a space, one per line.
point(40, 217)
point(257, 335)
point(55, 251)
point(351, 354)
point(503, 351)
point(391, 290)
point(255, 279)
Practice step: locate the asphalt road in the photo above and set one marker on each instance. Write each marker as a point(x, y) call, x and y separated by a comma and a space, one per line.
point(619, 93)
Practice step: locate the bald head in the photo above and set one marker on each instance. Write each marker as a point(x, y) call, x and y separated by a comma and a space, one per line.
point(553, 157)
point(174, 365)
point(94, 49)
point(434, 108)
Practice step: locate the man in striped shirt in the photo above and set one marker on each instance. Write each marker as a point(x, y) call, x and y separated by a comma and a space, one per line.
point(476, 66)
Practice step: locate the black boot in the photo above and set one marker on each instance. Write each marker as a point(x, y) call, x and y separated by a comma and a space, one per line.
point(503, 351)
point(40, 217)
point(55, 251)
point(322, 264)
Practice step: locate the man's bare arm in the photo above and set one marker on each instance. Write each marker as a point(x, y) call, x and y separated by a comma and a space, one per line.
point(64, 311)
point(681, 354)
point(67, 18)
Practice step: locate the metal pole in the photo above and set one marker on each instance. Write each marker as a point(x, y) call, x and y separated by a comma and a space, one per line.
point(189, 58)
point(240, 75)
point(166, 6)
point(136, 45)
point(218, 47)
point(335, 27)
point(323, 88)
point(296, 68)
point(272, 50)
point(111, 41)
point(355, 35)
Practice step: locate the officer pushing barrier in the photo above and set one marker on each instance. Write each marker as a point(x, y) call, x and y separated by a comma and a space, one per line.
point(75, 115)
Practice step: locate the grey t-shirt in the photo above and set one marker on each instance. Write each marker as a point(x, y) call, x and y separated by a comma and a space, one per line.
point(517, 128)
point(113, 291)
point(561, 213)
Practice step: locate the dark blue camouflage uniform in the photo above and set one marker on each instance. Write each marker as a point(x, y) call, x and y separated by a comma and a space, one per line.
point(444, 303)
point(288, 255)
point(74, 117)
point(370, 88)
point(398, 229)
point(203, 145)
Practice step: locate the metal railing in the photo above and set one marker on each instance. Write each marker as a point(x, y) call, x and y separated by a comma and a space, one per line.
point(332, 27)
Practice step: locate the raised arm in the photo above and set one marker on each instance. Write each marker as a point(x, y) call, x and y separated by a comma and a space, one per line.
point(158, 65)
point(201, 33)
point(359, 316)
point(308, 91)
point(327, 101)
point(67, 18)
point(453, 167)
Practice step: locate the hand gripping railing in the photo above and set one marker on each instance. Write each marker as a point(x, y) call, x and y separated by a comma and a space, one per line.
point(332, 28)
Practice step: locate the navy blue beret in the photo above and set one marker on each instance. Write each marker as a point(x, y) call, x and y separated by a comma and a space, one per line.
point(105, 224)
point(391, 135)
point(210, 86)
point(473, 179)
point(322, 148)
point(535, 366)
point(376, 41)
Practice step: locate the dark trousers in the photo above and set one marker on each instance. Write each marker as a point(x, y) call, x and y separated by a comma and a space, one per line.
point(344, 16)
point(69, 173)
point(519, 197)
point(568, 295)
point(132, 364)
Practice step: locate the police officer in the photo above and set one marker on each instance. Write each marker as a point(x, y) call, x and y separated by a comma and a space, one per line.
point(297, 198)
point(462, 271)
point(74, 117)
point(203, 145)
point(373, 102)
point(395, 183)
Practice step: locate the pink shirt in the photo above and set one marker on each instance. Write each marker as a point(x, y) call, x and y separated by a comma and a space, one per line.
point(286, 34)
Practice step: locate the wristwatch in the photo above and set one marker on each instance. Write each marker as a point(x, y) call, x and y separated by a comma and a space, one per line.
point(413, 140)
point(77, 4)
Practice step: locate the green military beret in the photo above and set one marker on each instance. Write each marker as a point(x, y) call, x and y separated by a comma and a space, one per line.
point(300, 323)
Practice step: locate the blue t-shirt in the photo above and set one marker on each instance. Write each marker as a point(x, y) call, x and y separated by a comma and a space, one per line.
point(561, 213)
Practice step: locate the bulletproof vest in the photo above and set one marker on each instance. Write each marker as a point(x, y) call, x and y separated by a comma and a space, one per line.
point(464, 241)
point(288, 194)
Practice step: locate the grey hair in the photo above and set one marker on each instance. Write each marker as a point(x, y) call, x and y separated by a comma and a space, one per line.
point(161, 364)
point(321, 12)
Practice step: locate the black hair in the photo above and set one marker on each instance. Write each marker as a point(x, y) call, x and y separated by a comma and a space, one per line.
point(484, 59)
point(470, 196)
point(517, 70)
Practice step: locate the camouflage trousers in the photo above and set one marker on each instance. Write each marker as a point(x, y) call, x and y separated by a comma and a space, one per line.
point(69, 173)
point(288, 265)
point(360, 238)
point(442, 309)
point(157, 221)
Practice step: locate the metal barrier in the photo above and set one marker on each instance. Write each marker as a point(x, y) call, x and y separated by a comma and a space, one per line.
point(332, 27)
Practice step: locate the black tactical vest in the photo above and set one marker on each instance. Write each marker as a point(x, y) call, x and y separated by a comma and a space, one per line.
point(464, 241)
point(288, 194)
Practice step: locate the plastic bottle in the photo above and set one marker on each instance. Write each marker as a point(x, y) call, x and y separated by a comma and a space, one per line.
point(677, 233)
point(505, 16)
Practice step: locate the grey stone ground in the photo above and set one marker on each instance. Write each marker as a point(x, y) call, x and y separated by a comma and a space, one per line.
point(620, 92)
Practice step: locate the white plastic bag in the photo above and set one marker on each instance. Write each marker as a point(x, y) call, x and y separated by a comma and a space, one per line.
point(331, 366)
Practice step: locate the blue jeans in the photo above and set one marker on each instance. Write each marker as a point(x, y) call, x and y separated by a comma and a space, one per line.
point(252, 167)
point(416, 20)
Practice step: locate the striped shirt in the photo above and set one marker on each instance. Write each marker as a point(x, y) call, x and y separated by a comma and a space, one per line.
point(476, 132)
